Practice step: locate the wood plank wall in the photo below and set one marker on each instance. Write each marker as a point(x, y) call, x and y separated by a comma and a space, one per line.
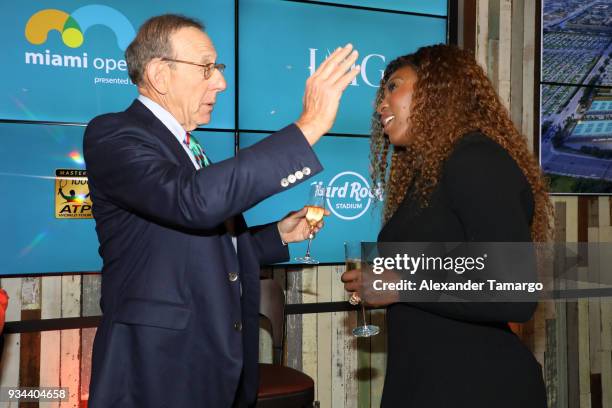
point(572, 341)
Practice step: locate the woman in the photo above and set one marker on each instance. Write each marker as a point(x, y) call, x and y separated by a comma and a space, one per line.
point(459, 172)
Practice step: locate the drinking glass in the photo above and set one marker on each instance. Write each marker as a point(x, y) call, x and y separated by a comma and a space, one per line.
point(352, 260)
point(316, 210)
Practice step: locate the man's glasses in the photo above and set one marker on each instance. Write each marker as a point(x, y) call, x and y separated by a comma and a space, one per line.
point(208, 69)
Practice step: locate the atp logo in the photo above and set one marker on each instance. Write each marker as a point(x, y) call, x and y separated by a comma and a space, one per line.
point(72, 27)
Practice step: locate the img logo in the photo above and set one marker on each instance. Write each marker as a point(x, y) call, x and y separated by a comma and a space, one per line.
point(372, 67)
point(72, 27)
point(349, 195)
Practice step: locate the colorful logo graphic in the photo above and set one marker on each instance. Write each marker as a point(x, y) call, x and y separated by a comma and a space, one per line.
point(73, 26)
point(72, 198)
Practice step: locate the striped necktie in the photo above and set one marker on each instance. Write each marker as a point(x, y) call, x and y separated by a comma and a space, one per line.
point(196, 149)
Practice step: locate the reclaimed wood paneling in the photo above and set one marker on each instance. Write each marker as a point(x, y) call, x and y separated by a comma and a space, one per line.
point(560, 380)
point(10, 356)
point(324, 344)
point(504, 51)
point(309, 323)
point(50, 350)
point(528, 71)
point(293, 343)
point(482, 33)
point(70, 341)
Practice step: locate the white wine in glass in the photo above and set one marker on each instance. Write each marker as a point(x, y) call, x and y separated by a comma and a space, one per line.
point(352, 260)
point(314, 215)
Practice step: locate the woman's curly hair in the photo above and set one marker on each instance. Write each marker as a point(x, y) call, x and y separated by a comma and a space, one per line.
point(452, 97)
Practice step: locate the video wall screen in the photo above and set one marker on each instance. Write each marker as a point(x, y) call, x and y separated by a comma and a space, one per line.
point(354, 203)
point(47, 225)
point(66, 58)
point(66, 66)
point(575, 96)
point(434, 7)
point(272, 83)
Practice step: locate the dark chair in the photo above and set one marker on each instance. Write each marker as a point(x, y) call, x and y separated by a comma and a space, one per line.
point(280, 386)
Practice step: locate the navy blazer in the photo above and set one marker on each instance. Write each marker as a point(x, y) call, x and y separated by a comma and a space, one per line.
point(180, 324)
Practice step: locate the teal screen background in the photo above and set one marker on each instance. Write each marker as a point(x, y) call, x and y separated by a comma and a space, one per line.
point(44, 108)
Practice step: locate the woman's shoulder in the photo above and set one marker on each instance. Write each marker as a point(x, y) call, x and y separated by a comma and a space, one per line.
point(476, 151)
point(477, 161)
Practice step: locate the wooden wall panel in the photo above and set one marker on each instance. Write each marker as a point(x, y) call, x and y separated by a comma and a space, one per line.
point(293, 343)
point(50, 340)
point(70, 342)
point(11, 353)
point(324, 344)
point(309, 322)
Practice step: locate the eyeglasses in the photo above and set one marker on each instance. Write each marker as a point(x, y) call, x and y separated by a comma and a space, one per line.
point(208, 68)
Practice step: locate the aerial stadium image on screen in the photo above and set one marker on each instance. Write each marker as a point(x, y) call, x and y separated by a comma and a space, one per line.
point(576, 96)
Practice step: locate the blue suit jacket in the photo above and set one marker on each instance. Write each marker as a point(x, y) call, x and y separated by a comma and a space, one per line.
point(176, 330)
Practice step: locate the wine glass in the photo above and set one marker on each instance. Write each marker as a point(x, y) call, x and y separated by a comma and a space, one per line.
point(352, 260)
point(314, 215)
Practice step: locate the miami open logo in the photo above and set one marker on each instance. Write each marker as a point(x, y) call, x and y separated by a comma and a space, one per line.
point(73, 27)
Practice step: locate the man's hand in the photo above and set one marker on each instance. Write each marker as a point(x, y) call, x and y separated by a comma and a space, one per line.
point(323, 92)
point(361, 284)
point(295, 228)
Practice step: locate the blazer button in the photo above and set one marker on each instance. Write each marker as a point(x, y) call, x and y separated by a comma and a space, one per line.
point(238, 326)
point(291, 178)
point(299, 175)
point(306, 171)
point(284, 182)
point(233, 276)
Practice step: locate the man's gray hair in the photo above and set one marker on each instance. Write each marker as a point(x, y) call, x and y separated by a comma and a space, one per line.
point(153, 41)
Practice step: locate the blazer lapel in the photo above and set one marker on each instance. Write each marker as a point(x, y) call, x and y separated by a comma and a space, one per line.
point(159, 130)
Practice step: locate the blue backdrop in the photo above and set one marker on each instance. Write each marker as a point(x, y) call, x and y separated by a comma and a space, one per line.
point(65, 64)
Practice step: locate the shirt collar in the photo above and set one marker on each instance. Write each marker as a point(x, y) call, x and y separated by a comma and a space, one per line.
point(165, 117)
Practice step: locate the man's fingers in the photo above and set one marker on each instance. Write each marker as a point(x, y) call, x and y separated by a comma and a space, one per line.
point(326, 62)
point(347, 78)
point(342, 67)
point(300, 213)
point(332, 62)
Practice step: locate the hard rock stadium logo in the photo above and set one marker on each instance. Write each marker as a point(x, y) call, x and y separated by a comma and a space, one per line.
point(73, 27)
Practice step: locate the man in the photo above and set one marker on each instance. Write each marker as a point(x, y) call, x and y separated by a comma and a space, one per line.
point(180, 280)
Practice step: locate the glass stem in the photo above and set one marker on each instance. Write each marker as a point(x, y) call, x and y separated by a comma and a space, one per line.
point(310, 237)
point(363, 313)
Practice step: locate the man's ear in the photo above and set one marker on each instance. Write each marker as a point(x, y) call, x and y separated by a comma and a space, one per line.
point(157, 74)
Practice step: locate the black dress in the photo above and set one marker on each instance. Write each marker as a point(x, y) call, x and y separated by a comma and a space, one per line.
point(464, 354)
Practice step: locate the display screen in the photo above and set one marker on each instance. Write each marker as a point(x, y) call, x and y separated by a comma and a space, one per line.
point(575, 96)
point(66, 59)
point(272, 82)
point(45, 230)
point(66, 64)
point(355, 205)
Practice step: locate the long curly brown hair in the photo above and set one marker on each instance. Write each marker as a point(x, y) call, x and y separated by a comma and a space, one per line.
point(452, 97)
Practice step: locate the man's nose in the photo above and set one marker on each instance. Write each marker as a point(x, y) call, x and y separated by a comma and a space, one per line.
point(219, 83)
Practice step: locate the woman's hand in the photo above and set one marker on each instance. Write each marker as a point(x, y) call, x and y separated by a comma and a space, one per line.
point(361, 286)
